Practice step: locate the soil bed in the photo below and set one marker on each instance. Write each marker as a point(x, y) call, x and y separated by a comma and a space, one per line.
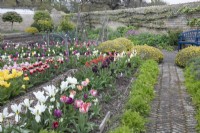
point(118, 98)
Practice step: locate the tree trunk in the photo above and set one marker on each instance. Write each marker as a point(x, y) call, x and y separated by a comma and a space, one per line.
point(12, 26)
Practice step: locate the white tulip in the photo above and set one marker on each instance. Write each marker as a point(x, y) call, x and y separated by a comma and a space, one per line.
point(17, 110)
point(51, 92)
point(72, 80)
point(64, 86)
point(78, 55)
point(95, 52)
point(50, 108)
point(57, 105)
point(37, 111)
point(40, 96)
point(27, 103)
point(5, 114)
point(95, 101)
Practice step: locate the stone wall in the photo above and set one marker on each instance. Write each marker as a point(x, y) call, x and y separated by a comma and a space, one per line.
point(154, 18)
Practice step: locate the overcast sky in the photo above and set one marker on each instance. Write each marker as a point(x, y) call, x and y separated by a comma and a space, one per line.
point(177, 1)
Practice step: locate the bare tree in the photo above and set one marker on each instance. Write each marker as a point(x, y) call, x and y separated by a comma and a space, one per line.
point(158, 2)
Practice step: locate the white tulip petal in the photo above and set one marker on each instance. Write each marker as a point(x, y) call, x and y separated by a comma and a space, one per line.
point(17, 118)
point(1, 117)
point(37, 118)
point(5, 112)
point(1, 130)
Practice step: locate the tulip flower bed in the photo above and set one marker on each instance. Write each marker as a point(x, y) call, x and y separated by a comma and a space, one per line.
point(29, 75)
point(36, 65)
point(16, 51)
point(73, 106)
point(63, 109)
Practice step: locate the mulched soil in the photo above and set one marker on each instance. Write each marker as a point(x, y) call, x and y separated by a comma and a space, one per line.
point(116, 104)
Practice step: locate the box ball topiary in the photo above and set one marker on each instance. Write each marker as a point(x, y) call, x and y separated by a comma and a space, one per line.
point(148, 52)
point(187, 54)
point(126, 42)
point(111, 46)
point(31, 30)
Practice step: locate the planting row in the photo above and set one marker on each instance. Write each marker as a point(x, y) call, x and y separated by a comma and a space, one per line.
point(138, 106)
point(192, 82)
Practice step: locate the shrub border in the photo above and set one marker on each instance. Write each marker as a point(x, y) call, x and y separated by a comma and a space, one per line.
point(192, 87)
point(146, 79)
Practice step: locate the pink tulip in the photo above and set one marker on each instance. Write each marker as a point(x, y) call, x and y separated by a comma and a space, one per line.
point(78, 103)
point(84, 107)
point(72, 94)
point(63, 99)
point(93, 92)
point(84, 83)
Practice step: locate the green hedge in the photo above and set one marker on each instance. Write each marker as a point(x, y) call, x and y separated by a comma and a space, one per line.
point(186, 55)
point(142, 93)
point(192, 83)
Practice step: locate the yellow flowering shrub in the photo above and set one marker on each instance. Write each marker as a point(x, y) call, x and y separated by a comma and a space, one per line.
point(31, 30)
point(110, 46)
point(186, 54)
point(126, 42)
point(148, 52)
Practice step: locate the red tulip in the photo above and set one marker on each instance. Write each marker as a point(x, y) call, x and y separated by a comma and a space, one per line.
point(55, 124)
point(31, 71)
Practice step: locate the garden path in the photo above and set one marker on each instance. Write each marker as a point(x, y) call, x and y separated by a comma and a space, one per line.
point(172, 111)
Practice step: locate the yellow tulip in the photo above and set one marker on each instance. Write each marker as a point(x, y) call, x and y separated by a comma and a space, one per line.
point(26, 78)
point(23, 86)
point(19, 73)
point(7, 84)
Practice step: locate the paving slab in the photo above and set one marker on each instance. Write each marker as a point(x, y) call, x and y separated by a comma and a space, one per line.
point(172, 110)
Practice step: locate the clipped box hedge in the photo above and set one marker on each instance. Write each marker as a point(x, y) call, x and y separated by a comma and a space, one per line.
point(31, 30)
point(187, 54)
point(148, 52)
point(126, 42)
point(117, 45)
point(111, 46)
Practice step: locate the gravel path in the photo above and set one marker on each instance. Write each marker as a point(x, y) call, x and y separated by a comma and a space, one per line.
point(172, 111)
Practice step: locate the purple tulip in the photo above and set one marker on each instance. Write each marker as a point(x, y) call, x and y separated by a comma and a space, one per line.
point(95, 69)
point(70, 100)
point(104, 64)
point(85, 96)
point(111, 58)
point(57, 113)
